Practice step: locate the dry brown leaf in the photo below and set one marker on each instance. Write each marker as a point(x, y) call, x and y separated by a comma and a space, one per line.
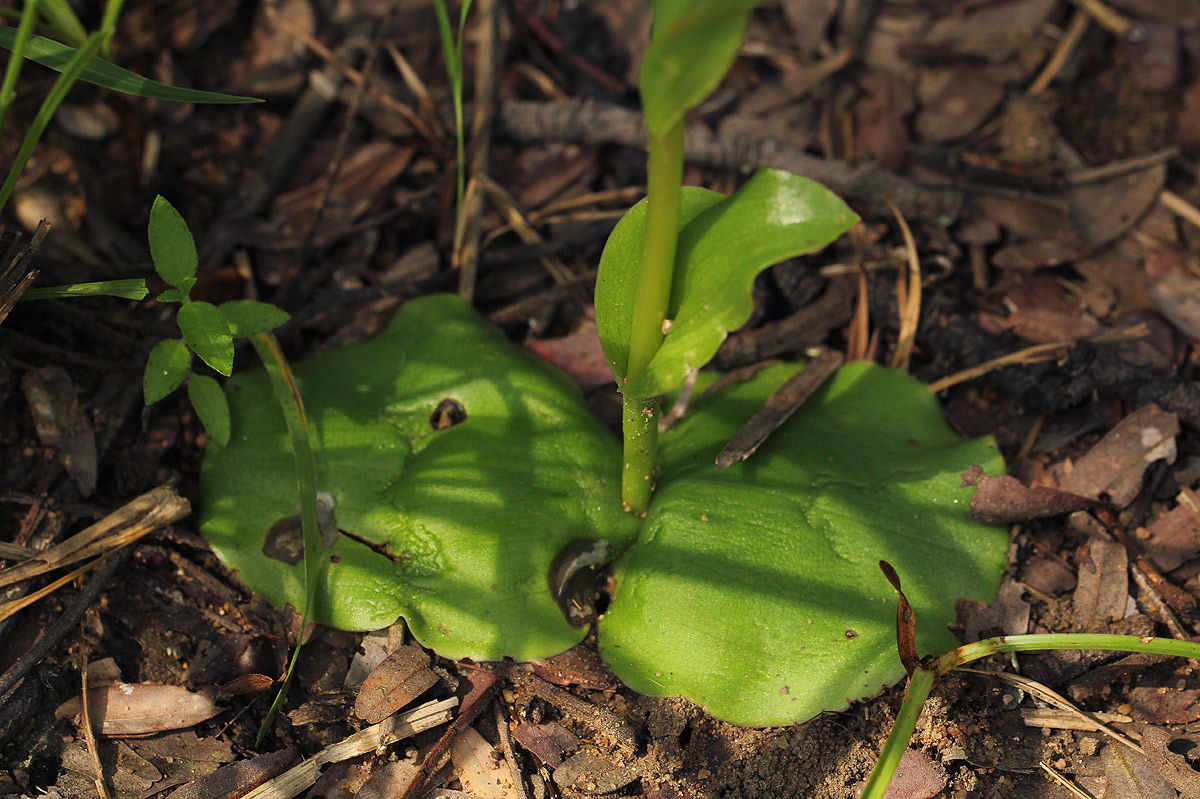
point(399, 679)
point(1114, 466)
point(1102, 592)
point(480, 771)
point(1004, 499)
point(141, 708)
point(62, 423)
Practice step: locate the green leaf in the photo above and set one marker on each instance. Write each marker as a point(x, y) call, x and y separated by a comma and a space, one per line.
point(768, 570)
point(128, 288)
point(170, 295)
point(723, 244)
point(249, 317)
point(205, 331)
point(209, 401)
point(166, 369)
point(50, 53)
point(463, 522)
point(692, 46)
point(172, 247)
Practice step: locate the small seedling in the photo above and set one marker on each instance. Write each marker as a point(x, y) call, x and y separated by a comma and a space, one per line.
point(923, 672)
point(452, 54)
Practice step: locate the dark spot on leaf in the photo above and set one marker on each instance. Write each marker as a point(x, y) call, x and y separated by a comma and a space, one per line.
point(851, 633)
point(448, 413)
point(285, 541)
point(335, 558)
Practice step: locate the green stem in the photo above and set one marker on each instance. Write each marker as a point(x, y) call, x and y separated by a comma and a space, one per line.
point(915, 694)
point(663, 185)
point(639, 423)
point(640, 418)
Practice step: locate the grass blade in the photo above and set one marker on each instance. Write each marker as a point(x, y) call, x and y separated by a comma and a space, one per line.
point(129, 289)
point(56, 56)
point(8, 91)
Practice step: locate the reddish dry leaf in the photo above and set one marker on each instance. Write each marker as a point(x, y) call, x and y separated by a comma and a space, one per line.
point(593, 774)
point(1002, 499)
point(1114, 466)
point(238, 779)
point(1172, 538)
point(577, 666)
point(1172, 766)
point(1130, 774)
point(916, 777)
point(481, 772)
point(399, 679)
point(547, 742)
point(1176, 295)
point(1102, 593)
point(578, 354)
point(955, 101)
point(1102, 211)
point(1152, 55)
point(62, 423)
point(1164, 705)
point(991, 31)
point(138, 709)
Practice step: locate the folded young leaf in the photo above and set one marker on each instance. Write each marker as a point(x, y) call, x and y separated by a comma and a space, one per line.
point(724, 242)
point(692, 45)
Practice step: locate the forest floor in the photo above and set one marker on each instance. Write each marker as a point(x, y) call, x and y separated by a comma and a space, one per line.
point(1046, 155)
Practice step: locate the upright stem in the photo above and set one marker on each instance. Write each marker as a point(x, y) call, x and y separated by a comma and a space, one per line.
point(640, 418)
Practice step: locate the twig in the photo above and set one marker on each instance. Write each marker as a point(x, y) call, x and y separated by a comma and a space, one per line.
point(483, 687)
point(908, 296)
point(1062, 51)
point(85, 719)
point(469, 225)
point(60, 626)
point(590, 122)
point(1115, 22)
point(506, 746)
point(1180, 206)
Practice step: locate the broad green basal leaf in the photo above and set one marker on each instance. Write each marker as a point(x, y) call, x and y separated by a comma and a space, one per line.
point(756, 592)
point(692, 45)
point(455, 528)
point(724, 242)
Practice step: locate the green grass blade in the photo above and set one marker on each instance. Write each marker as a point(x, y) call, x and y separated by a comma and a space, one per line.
point(919, 686)
point(56, 56)
point(130, 289)
point(63, 21)
point(70, 73)
point(8, 91)
point(288, 395)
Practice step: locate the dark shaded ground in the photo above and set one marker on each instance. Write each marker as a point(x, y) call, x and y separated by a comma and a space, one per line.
point(1051, 201)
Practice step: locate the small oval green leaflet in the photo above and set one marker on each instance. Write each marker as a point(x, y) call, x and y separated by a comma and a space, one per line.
point(460, 466)
point(755, 591)
point(166, 369)
point(209, 401)
point(724, 242)
point(205, 330)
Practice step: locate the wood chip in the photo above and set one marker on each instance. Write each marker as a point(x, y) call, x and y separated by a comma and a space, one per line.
point(1114, 467)
point(786, 400)
point(399, 679)
point(138, 709)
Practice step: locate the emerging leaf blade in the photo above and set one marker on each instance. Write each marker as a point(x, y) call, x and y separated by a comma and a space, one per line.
point(54, 55)
point(776, 215)
point(172, 247)
point(166, 369)
point(692, 45)
point(250, 317)
point(211, 406)
point(205, 331)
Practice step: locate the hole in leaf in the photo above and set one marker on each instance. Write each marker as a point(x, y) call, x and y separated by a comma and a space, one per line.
point(573, 578)
point(448, 413)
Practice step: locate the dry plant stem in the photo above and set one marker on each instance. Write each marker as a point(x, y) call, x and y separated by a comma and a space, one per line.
point(659, 241)
point(1180, 206)
point(1062, 51)
point(60, 626)
point(908, 296)
point(469, 224)
point(484, 685)
point(85, 718)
